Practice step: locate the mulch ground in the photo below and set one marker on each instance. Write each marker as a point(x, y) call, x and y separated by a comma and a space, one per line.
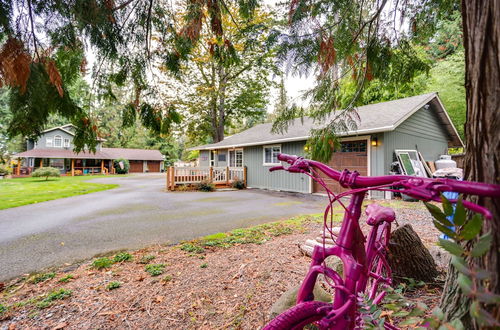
point(231, 288)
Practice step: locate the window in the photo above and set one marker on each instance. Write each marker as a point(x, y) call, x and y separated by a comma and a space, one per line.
point(49, 142)
point(221, 157)
point(271, 154)
point(66, 143)
point(353, 146)
point(58, 141)
point(236, 158)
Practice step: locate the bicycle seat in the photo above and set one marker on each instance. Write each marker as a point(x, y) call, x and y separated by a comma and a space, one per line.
point(378, 214)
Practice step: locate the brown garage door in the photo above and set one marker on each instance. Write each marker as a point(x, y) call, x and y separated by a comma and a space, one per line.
point(352, 156)
point(136, 166)
point(153, 166)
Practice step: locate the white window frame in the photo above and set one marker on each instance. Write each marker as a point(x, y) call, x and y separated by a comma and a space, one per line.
point(66, 143)
point(49, 141)
point(212, 154)
point(235, 158)
point(56, 138)
point(264, 163)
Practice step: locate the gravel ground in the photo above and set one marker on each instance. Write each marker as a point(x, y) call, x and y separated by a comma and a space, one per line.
point(225, 288)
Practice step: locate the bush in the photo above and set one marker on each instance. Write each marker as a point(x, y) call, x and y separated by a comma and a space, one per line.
point(206, 185)
point(4, 171)
point(54, 295)
point(238, 184)
point(123, 169)
point(46, 172)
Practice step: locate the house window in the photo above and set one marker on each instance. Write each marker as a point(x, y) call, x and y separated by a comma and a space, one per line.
point(49, 142)
point(354, 146)
point(66, 143)
point(236, 158)
point(58, 141)
point(271, 154)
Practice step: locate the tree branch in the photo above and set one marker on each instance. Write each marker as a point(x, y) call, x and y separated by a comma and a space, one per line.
point(33, 29)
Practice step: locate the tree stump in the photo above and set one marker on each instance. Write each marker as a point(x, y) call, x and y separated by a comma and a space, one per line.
point(408, 257)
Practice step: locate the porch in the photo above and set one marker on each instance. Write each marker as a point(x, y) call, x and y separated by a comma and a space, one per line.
point(219, 176)
point(67, 167)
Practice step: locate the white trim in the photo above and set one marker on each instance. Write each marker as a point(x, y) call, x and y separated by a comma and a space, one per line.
point(60, 139)
point(264, 154)
point(47, 139)
point(449, 119)
point(242, 157)
point(300, 138)
point(68, 144)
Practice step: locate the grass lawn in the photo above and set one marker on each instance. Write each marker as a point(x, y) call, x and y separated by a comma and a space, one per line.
point(22, 191)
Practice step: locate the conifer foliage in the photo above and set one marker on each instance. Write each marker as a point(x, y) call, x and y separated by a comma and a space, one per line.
point(44, 43)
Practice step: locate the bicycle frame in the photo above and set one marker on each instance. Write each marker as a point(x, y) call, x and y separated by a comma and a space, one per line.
point(350, 242)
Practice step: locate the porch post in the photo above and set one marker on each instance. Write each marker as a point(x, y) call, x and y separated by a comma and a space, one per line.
point(102, 166)
point(211, 174)
point(41, 162)
point(227, 175)
point(18, 169)
point(245, 175)
point(72, 167)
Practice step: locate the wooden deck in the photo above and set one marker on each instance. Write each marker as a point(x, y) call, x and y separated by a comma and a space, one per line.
point(190, 176)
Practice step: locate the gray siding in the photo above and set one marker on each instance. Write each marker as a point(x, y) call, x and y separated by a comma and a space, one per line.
point(42, 140)
point(258, 175)
point(422, 131)
point(204, 158)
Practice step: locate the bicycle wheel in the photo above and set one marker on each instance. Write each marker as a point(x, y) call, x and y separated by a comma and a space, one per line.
point(299, 317)
point(380, 275)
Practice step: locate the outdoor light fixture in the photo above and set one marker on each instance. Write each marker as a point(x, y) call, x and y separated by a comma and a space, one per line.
point(306, 148)
point(374, 142)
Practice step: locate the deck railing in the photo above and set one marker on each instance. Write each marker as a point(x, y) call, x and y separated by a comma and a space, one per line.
point(192, 175)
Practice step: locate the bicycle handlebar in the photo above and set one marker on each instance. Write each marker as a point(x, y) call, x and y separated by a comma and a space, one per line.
point(417, 187)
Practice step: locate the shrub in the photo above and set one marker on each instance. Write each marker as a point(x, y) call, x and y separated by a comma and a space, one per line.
point(121, 257)
point(206, 185)
point(3, 309)
point(4, 171)
point(189, 247)
point(123, 168)
point(46, 172)
point(113, 285)
point(78, 172)
point(102, 263)
point(155, 269)
point(183, 187)
point(238, 184)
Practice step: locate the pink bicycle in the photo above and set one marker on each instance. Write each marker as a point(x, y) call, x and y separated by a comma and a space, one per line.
point(365, 266)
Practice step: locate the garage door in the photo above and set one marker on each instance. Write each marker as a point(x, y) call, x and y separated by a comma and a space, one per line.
point(352, 156)
point(136, 166)
point(153, 166)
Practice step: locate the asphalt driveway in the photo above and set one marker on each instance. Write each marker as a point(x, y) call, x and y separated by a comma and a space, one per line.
point(137, 214)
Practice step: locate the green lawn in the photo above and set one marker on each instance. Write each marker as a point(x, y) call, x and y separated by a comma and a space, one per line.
point(22, 191)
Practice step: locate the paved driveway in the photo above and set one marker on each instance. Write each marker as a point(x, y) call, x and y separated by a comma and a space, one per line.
point(137, 214)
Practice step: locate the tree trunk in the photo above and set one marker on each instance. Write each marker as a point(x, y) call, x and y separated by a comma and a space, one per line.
point(481, 26)
point(221, 109)
point(408, 257)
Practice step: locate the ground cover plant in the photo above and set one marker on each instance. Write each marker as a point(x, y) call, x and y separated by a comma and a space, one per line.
point(23, 191)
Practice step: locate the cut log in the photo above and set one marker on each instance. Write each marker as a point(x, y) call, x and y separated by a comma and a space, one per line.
point(408, 257)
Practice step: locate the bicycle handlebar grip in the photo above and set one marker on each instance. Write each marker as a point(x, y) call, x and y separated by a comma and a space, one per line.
point(287, 158)
point(276, 168)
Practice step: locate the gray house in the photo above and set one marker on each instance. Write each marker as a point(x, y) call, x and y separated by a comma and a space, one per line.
point(414, 123)
point(54, 148)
